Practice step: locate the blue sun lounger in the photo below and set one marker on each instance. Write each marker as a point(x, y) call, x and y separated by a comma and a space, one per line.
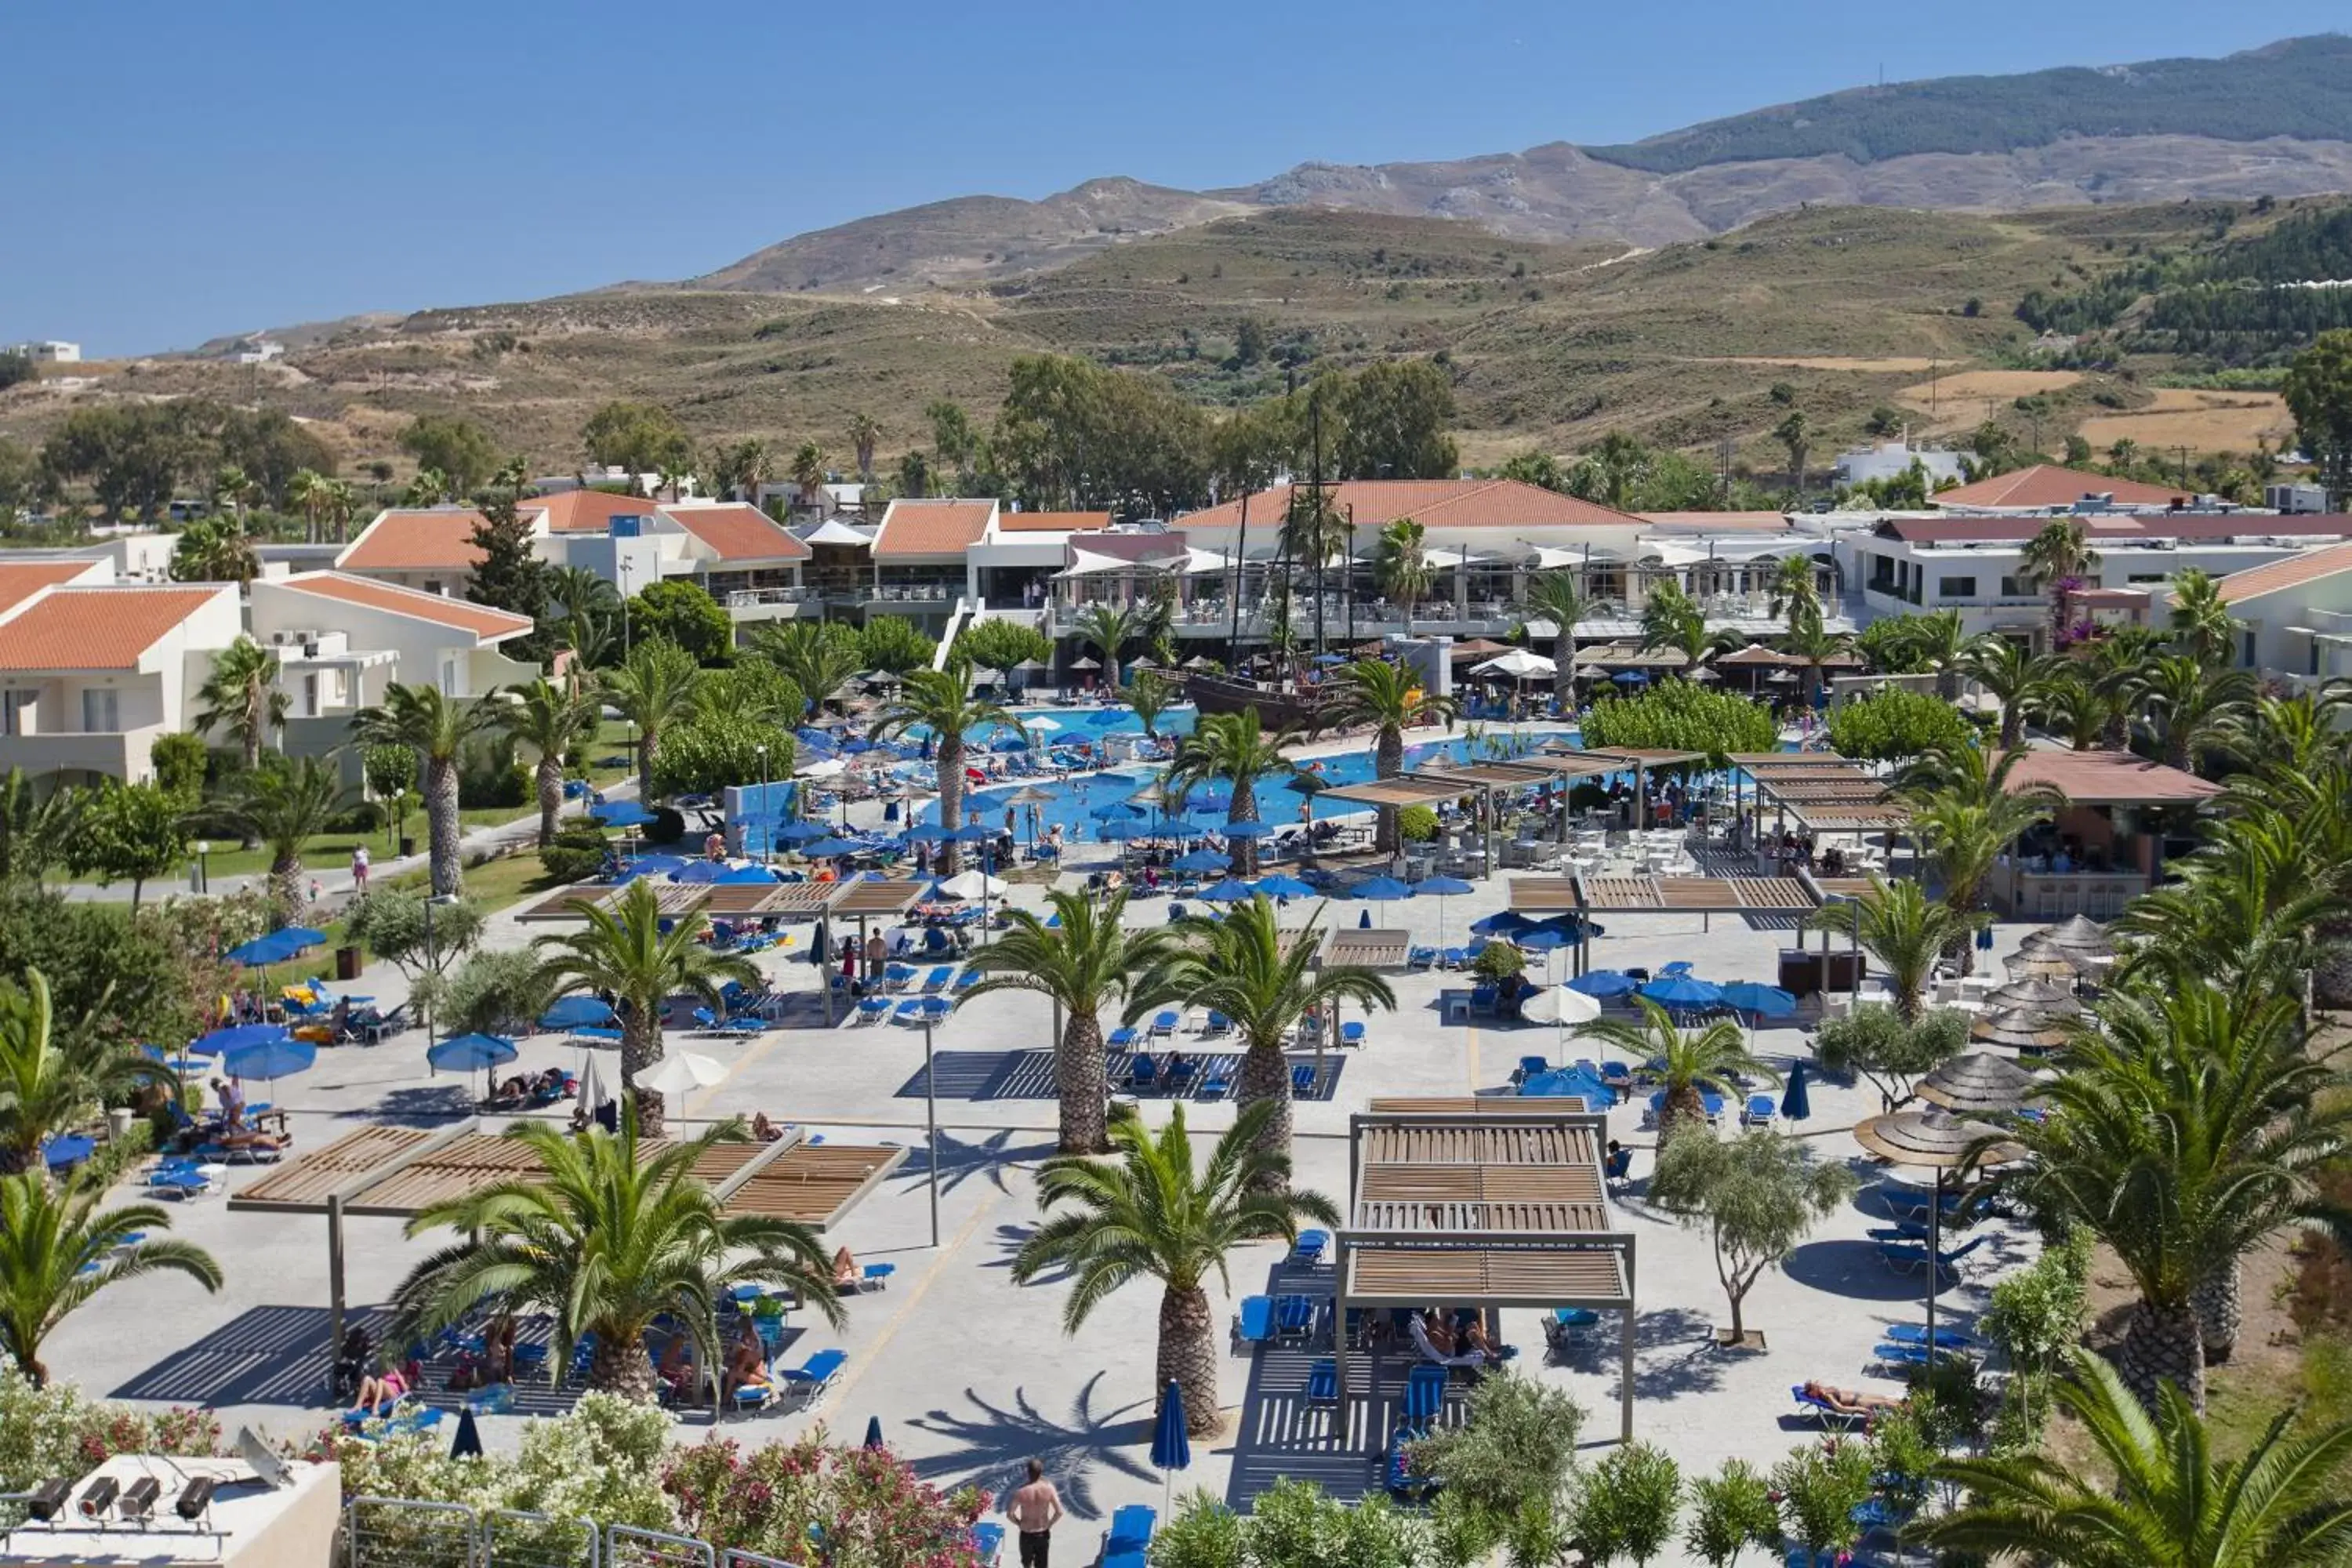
point(873, 1009)
point(1946, 1338)
point(1162, 1023)
point(910, 1011)
point(1323, 1382)
point(1254, 1322)
point(1130, 1535)
point(1125, 1038)
point(1425, 1393)
point(1761, 1110)
point(988, 1545)
point(1216, 1083)
point(937, 980)
point(1905, 1258)
point(812, 1376)
point(1142, 1073)
point(1293, 1317)
point(1352, 1033)
point(1310, 1245)
point(1302, 1079)
point(1421, 958)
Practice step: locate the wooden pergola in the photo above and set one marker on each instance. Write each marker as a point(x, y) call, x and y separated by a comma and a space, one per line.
point(1647, 895)
point(1484, 1202)
point(1366, 947)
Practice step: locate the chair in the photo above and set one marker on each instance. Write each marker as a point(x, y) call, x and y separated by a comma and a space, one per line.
point(1142, 1073)
point(1837, 1405)
point(937, 980)
point(814, 1376)
point(1254, 1322)
point(1163, 1024)
point(1352, 1033)
point(875, 1276)
point(988, 1545)
point(1302, 1079)
point(1529, 1066)
point(909, 1011)
point(1421, 958)
point(1946, 1339)
point(1125, 1038)
point(1181, 1074)
point(873, 1009)
point(1129, 1534)
point(1761, 1110)
point(1567, 1327)
point(1216, 1083)
point(1216, 1024)
point(1425, 1393)
point(1310, 1246)
point(1323, 1382)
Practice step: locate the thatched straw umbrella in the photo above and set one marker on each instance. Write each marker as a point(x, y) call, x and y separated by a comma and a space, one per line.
point(1940, 1141)
point(2019, 1029)
point(1976, 1083)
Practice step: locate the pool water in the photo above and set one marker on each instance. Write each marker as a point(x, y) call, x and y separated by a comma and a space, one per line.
point(1075, 724)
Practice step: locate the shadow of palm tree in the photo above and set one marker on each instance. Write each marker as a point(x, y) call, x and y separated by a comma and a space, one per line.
point(961, 1159)
point(418, 1104)
point(996, 1441)
point(1674, 1354)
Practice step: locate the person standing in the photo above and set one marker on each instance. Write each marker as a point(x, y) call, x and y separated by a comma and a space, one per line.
point(359, 871)
point(1035, 1509)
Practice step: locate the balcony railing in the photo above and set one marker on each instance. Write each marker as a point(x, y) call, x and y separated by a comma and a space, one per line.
point(745, 598)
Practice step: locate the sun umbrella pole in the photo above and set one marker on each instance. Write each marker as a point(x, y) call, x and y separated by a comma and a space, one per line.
point(1935, 1259)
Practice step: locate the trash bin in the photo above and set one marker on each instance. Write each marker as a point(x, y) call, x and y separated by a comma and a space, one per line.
point(347, 963)
point(407, 846)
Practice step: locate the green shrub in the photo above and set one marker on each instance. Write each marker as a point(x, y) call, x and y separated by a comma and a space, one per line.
point(56, 1431)
point(1897, 724)
point(1498, 960)
point(1417, 824)
point(180, 761)
point(577, 853)
point(1681, 716)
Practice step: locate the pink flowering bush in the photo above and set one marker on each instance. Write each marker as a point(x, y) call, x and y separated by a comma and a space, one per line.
point(856, 1507)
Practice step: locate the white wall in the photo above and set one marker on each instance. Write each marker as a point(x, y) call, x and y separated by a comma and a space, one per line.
point(424, 651)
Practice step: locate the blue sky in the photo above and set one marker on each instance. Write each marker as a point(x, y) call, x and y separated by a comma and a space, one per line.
point(174, 172)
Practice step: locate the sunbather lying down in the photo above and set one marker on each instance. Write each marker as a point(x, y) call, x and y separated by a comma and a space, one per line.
point(1852, 1401)
point(845, 1270)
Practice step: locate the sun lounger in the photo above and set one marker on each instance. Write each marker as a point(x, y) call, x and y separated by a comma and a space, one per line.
point(1323, 1382)
point(1567, 1327)
point(1452, 958)
point(988, 1545)
point(1302, 1079)
point(1421, 958)
point(937, 980)
point(1885, 1354)
point(1424, 1392)
point(1162, 1023)
point(898, 977)
point(1215, 1024)
point(1352, 1033)
point(875, 1276)
point(1215, 1083)
point(1125, 1038)
point(1761, 1110)
point(873, 1009)
point(1529, 1066)
point(596, 1035)
point(1254, 1322)
point(1843, 1407)
point(1142, 1073)
point(1125, 1544)
point(1294, 1318)
point(1401, 1480)
point(1310, 1245)
point(1181, 1074)
point(965, 982)
point(1907, 1258)
point(812, 1376)
point(909, 1011)
point(1915, 1335)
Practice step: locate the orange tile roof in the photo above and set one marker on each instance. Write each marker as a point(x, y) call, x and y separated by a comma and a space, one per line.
point(103, 627)
point(931, 527)
point(1719, 522)
point(2109, 778)
point(1433, 504)
point(586, 511)
point(1052, 521)
point(459, 614)
point(20, 580)
point(2048, 485)
point(2291, 573)
point(401, 541)
point(738, 533)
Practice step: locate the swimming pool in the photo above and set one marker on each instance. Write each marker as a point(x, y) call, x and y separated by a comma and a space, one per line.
point(1063, 724)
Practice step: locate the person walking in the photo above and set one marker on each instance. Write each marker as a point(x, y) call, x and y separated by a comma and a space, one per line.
point(1035, 1509)
point(359, 871)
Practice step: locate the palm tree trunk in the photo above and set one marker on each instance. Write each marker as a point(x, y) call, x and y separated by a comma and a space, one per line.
point(286, 888)
point(1387, 761)
point(2220, 1302)
point(648, 744)
point(550, 798)
point(442, 826)
point(1265, 1076)
point(1082, 1079)
point(2012, 721)
point(2163, 1344)
point(641, 1047)
point(621, 1367)
point(1684, 1104)
point(1243, 809)
point(1188, 1356)
point(951, 782)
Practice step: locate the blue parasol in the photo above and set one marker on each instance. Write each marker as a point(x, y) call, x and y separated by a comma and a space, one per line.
point(1116, 810)
point(1379, 891)
point(471, 1052)
point(826, 848)
point(699, 872)
point(659, 865)
point(873, 1432)
point(1231, 890)
point(1984, 939)
point(801, 832)
point(930, 832)
point(1105, 718)
point(1443, 887)
point(576, 1013)
point(1172, 1447)
point(1247, 829)
point(1796, 1105)
point(1278, 886)
point(1764, 1001)
point(1543, 940)
point(468, 1444)
point(1682, 991)
point(621, 813)
point(1631, 677)
point(974, 833)
point(857, 745)
point(1115, 831)
point(1202, 861)
point(221, 1040)
point(263, 951)
point(301, 936)
point(68, 1151)
point(1503, 923)
point(1564, 1081)
point(1605, 982)
point(748, 874)
point(270, 1058)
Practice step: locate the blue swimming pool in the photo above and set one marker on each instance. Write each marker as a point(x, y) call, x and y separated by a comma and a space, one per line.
point(1063, 724)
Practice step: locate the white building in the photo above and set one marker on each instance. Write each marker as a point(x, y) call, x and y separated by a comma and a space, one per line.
point(49, 351)
point(91, 672)
point(1892, 460)
point(2297, 616)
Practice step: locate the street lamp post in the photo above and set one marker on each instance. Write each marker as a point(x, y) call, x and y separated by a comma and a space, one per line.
point(766, 823)
point(203, 871)
point(932, 1125)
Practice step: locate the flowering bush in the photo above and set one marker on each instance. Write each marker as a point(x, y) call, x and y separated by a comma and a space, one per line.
point(862, 1507)
point(601, 1462)
point(55, 1431)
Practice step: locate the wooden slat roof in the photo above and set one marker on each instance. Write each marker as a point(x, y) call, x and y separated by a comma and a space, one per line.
point(1764, 763)
point(1681, 895)
point(1409, 790)
point(1533, 1276)
point(878, 896)
point(306, 1182)
point(1849, 816)
point(1373, 948)
point(1485, 775)
point(815, 1183)
point(1543, 895)
point(1820, 787)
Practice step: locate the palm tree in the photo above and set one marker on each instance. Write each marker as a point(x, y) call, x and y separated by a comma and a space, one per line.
point(306, 493)
point(1231, 746)
point(1153, 1212)
point(1109, 629)
point(1150, 695)
point(2073, 705)
point(2057, 557)
point(2159, 1498)
point(1907, 932)
point(653, 689)
point(1795, 435)
point(51, 1080)
point(1400, 565)
point(808, 472)
point(282, 807)
point(945, 702)
point(1083, 963)
point(1969, 809)
point(1267, 981)
point(1814, 644)
point(814, 655)
point(605, 1237)
point(2011, 675)
point(1388, 698)
point(1941, 643)
point(59, 1249)
point(1557, 597)
point(34, 825)
point(625, 955)
point(241, 695)
point(2188, 707)
point(552, 719)
point(864, 434)
point(1669, 618)
point(437, 727)
point(1794, 592)
point(2202, 626)
point(1313, 532)
point(1687, 1063)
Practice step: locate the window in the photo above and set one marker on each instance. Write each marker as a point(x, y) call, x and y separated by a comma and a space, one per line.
point(1956, 587)
point(450, 684)
point(101, 712)
point(2147, 578)
point(2011, 588)
point(14, 707)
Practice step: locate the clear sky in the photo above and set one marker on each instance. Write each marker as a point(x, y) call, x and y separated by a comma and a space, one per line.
point(174, 172)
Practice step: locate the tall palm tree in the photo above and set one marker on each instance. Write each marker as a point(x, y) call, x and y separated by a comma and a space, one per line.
point(1814, 644)
point(653, 689)
point(1266, 981)
point(1150, 695)
point(52, 1078)
point(34, 825)
point(623, 954)
point(1400, 565)
point(1688, 1063)
point(306, 493)
point(2202, 626)
point(2188, 707)
point(1083, 963)
point(552, 719)
point(1557, 597)
point(1672, 619)
point(2073, 705)
point(1313, 534)
point(241, 696)
point(59, 1249)
point(2159, 1498)
point(945, 702)
point(282, 807)
point(1390, 698)
point(1794, 592)
point(604, 1237)
point(1153, 1211)
point(2057, 557)
point(2012, 676)
point(1899, 926)
point(1234, 747)
point(437, 727)
point(1940, 642)
point(808, 472)
point(865, 433)
point(815, 654)
point(1969, 810)
point(1109, 629)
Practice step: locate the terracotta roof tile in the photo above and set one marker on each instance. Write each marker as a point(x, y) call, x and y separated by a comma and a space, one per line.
point(931, 527)
point(20, 580)
point(2292, 573)
point(1052, 521)
point(402, 541)
point(2118, 528)
point(2047, 485)
point(739, 532)
point(586, 511)
point(105, 627)
point(459, 614)
point(2109, 778)
point(1433, 504)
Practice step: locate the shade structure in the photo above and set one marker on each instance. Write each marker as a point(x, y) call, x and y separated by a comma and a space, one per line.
point(270, 1058)
point(576, 1013)
point(1764, 1001)
point(1443, 887)
point(1117, 832)
point(1307, 784)
point(2044, 996)
point(680, 1072)
point(621, 813)
point(2080, 935)
point(1544, 939)
point(1379, 891)
point(1154, 794)
point(1231, 890)
point(700, 873)
point(972, 885)
point(1085, 664)
point(1247, 829)
point(1202, 860)
point(2019, 1029)
point(263, 951)
point(1172, 1447)
point(1975, 1082)
point(1041, 724)
point(1278, 886)
point(930, 832)
point(1519, 664)
point(471, 1052)
point(742, 874)
point(973, 833)
point(1933, 1138)
point(1503, 923)
point(221, 1041)
point(873, 1432)
point(2037, 960)
point(1682, 991)
point(1032, 794)
point(826, 848)
point(1796, 1100)
point(1559, 1005)
point(468, 1445)
point(1567, 1083)
point(301, 936)
point(1115, 811)
point(1605, 982)
point(1631, 677)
